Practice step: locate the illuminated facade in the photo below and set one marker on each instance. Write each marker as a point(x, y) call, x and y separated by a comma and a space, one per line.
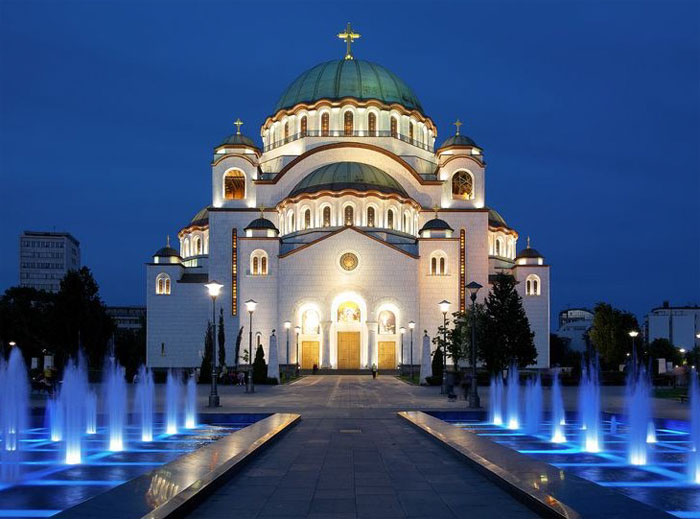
point(348, 221)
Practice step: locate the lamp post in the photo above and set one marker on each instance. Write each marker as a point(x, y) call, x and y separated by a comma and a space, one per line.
point(411, 326)
point(214, 289)
point(633, 334)
point(250, 306)
point(287, 326)
point(474, 401)
point(402, 331)
point(297, 330)
point(444, 308)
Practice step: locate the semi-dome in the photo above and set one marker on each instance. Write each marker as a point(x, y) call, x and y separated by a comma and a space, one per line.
point(201, 218)
point(340, 176)
point(238, 139)
point(458, 140)
point(354, 78)
point(496, 220)
point(261, 224)
point(436, 224)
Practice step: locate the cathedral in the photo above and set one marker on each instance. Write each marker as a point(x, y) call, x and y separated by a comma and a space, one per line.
point(348, 226)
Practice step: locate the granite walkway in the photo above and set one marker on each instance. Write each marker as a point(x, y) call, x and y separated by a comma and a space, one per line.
point(352, 457)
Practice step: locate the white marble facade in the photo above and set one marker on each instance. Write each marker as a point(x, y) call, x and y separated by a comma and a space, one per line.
point(361, 231)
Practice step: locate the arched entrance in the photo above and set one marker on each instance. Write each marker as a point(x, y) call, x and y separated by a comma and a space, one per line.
point(348, 349)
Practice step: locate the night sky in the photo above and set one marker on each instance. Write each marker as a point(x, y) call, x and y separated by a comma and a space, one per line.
point(588, 112)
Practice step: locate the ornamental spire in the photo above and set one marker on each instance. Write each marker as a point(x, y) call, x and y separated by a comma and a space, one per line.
point(349, 36)
point(436, 208)
point(238, 123)
point(262, 211)
point(528, 242)
point(457, 123)
point(167, 240)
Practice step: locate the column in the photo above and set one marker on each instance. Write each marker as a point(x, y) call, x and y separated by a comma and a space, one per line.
point(371, 343)
point(326, 327)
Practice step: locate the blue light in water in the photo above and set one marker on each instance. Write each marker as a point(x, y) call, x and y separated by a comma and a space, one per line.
point(28, 513)
point(647, 484)
point(72, 482)
point(685, 515)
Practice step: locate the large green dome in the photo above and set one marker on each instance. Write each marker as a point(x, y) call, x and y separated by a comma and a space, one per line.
point(355, 78)
point(348, 175)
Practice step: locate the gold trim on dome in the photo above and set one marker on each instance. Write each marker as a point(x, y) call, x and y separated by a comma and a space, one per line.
point(191, 228)
point(349, 101)
point(337, 194)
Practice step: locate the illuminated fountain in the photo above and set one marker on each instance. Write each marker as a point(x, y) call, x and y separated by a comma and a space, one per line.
point(589, 408)
point(172, 401)
point(638, 416)
point(496, 400)
point(116, 406)
point(694, 455)
point(72, 401)
point(145, 394)
point(14, 388)
point(191, 404)
point(533, 407)
point(558, 414)
point(91, 413)
point(512, 398)
point(54, 419)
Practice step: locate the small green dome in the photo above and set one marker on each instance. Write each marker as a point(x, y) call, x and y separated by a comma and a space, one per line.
point(355, 78)
point(240, 140)
point(458, 140)
point(348, 175)
point(201, 218)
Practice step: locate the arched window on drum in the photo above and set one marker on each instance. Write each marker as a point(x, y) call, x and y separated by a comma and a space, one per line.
point(326, 216)
point(533, 285)
point(370, 217)
point(325, 124)
point(462, 186)
point(438, 263)
point(372, 124)
point(234, 185)
point(258, 263)
point(348, 126)
point(349, 215)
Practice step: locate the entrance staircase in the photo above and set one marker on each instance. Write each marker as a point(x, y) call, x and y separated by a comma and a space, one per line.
point(368, 372)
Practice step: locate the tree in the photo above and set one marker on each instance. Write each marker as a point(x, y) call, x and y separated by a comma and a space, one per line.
point(222, 340)
point(459, 337)
point(560, 352)
point(508, 337)
point(609, 334)
point(436, 364)
point(238, 346)
point(259, 366)
point(130, 348)
point(25, 318)
point(663, 349)
point(205, 368)
point(80, 319)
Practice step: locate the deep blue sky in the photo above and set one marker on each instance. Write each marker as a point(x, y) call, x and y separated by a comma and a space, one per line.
point(589, 114)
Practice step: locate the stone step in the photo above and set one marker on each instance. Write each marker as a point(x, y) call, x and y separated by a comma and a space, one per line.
point(326, 371)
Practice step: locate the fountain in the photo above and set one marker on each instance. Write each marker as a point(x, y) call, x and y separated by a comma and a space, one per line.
point(613, 425)
point(496, 400)
point(533, 409)
point(512, 398)
point(589, 407)
point(651, 433)
point(91, 413)
point(558, 414)
point(191, 403)
point(172, 401)
point(14, 388)
point(54, 419)
point(145, 394)
point(72, 401)
point(638, 416)
point(116, 405)
point(694, 455)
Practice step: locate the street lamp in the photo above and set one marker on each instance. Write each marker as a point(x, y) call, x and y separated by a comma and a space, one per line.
point(402, 331)
point(474, 401)
point(444, 308)
point(214, 288)
point(297, 330)
point(287, 326)
point(633, 334)
point(250, 306)
point(411, 326)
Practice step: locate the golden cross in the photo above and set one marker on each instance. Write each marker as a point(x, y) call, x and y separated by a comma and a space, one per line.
point(167, 241)
point(238, 123)
point(262, 211)
point(528, 242)
point(436, 208)
point(349, 37)
point(458, 123)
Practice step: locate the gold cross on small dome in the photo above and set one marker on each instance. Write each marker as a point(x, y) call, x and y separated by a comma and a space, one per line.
point(349, 38)
point(262, 211)
point(528, 242)
point(238, 123)
point(436, 208)
point(457, 123)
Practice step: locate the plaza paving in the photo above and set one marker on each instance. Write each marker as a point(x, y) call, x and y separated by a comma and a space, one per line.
point(351, 456)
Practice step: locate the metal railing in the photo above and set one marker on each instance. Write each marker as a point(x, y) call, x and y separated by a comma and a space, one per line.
point(343, 133)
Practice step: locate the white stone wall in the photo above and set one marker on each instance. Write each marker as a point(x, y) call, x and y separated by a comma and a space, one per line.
point(536, 308)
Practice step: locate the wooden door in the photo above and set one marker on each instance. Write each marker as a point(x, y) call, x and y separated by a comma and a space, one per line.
point(387, 355)
point(309, 354)
point(348, 350)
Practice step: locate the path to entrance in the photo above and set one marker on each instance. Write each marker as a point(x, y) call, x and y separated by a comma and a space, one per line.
point(351, 456)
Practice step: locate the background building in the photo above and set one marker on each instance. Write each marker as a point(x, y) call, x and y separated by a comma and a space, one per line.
point(130, 318)
point(45, 257)
point(679, 324)
point(573, 325)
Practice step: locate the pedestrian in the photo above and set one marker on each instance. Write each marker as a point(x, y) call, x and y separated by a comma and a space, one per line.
point(374, 370)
